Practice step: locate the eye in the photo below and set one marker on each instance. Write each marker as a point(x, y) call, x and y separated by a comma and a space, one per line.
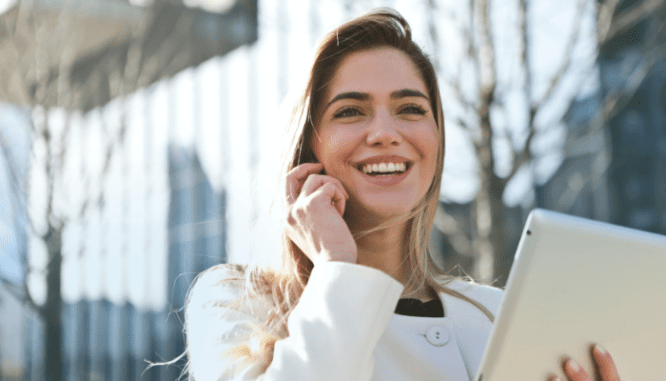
point(413, 109)
point(347, 112)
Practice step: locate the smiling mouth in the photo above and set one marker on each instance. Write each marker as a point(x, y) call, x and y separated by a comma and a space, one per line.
point(384, 169)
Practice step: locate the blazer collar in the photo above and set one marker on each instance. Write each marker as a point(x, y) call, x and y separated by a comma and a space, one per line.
point(459, 309)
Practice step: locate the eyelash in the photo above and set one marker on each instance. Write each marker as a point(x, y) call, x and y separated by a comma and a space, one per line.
point(415, 109)
point(340, 114)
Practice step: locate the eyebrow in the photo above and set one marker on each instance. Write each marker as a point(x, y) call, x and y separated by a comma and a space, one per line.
point(365, 96)
point(408, 93)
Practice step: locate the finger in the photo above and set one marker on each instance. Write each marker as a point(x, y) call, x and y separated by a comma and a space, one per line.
point(313, 183)
point(575, 372)
point(605, 364)
point(339, 201)
point(332, 195)
point(297, 176)
point(339, 204)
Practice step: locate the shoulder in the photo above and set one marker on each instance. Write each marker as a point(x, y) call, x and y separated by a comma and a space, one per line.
point(220, 316)
point(490, 297)
point(223, 282)
point(224, 289)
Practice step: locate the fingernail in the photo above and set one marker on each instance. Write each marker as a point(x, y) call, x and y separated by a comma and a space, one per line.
point(600, 350)
point(557, 378)
point(574, 366)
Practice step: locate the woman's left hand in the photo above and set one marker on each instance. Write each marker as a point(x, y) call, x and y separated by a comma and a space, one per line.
point(605, 366)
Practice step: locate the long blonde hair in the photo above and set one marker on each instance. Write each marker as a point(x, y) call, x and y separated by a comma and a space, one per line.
point(379, 28)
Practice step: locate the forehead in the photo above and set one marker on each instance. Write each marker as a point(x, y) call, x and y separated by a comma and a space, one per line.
point(376, 71)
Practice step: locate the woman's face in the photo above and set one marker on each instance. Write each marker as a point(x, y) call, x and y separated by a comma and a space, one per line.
point(377, 134)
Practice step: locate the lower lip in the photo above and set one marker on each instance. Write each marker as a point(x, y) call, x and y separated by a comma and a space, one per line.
point(386, 180)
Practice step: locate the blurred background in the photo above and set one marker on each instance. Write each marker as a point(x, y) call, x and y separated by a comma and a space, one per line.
point(139, 141)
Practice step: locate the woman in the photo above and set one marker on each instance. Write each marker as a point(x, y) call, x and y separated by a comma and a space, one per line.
point(361, 185)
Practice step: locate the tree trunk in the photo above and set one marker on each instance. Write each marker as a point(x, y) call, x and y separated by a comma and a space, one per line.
point(483, 211)
point(498, 232)
point(485, 222)
point(52, 309)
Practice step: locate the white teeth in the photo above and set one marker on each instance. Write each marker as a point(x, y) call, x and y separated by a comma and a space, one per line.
point(384, 168)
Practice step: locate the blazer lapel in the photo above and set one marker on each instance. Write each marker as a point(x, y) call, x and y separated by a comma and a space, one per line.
point(472, 327)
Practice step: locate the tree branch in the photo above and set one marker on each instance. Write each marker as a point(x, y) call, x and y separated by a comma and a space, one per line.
point(487, 86)
point(618, 98)
point(432, 32)
point(630, 17)
point(605, 12)
point(22, 296)
point(525, 155)
point(456, 236)
point(486, 51)
point(14, 178)
point(468, 104)
point(567, 56)
point(524, 47)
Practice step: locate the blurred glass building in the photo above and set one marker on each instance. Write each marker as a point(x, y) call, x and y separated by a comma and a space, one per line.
point(140, 215)
point(107, 340)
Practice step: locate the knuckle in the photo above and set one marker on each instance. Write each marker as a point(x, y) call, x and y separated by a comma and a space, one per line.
point(301, 211)
point(307, 181)
point(314, 177)
point(289, 218)
point(291, 174)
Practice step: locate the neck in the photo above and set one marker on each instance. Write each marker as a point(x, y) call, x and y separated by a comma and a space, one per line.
point(384, 250)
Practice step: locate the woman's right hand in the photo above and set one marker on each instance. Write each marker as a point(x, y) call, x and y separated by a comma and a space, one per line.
point(315, 206)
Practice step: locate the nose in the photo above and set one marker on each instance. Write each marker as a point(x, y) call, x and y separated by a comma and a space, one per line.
point(382, 131)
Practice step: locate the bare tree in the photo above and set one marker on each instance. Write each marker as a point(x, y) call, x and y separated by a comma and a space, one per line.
point(488, 236)
point(41, 45)
point(63, 55)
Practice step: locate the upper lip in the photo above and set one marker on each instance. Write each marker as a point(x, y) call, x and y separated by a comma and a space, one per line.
point(382, 159)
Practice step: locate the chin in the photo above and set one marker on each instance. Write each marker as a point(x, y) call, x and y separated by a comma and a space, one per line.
point(389, 207)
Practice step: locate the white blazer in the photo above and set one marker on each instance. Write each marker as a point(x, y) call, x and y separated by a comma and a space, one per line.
point(343, 328)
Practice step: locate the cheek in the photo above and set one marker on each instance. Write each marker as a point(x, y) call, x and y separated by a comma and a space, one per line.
point(323, 148)
point(331, 147)
point(427, 144)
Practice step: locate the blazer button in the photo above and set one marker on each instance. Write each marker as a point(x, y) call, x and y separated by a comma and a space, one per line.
point(438, 336)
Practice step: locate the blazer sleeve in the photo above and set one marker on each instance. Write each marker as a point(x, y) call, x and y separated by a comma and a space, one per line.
point(333, 331)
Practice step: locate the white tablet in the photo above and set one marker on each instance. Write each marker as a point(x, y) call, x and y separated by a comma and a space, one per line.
point(575, 282)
